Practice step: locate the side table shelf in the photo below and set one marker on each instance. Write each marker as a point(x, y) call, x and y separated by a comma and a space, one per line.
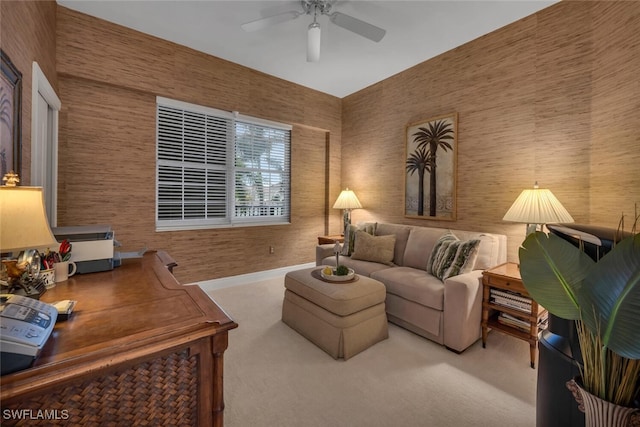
point(502, 286)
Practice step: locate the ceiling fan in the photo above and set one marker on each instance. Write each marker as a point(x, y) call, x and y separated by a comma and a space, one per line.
point(315, 7)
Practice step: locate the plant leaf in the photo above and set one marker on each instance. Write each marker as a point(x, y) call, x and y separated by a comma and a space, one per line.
point(613, 290)
point(552, 271)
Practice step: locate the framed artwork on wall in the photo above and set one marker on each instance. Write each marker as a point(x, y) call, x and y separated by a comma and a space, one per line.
point(430, 168)
point(10, 123)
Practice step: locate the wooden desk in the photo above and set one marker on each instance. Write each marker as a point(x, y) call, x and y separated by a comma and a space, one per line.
point(139, 349)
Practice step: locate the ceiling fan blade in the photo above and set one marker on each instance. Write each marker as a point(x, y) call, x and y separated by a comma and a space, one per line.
point(357, 26)
point(262, 23)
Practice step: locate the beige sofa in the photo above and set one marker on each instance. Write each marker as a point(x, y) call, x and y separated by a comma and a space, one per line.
point(447, 312)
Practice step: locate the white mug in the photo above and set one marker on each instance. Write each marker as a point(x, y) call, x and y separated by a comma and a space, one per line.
point(64, 270)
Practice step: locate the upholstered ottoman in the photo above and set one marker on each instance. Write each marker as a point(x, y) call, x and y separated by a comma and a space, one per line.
point(343, 319)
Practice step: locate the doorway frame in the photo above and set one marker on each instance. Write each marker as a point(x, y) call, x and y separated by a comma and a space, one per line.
point(43, 156)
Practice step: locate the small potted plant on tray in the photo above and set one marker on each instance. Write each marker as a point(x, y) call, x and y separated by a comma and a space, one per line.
point(341, 272)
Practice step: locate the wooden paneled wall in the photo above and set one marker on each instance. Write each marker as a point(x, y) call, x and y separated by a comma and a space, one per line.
point(109, 77)
point(552, 98)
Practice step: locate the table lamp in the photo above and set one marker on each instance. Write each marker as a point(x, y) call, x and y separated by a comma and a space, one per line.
point(347, 201)
point(537, 206)
point(23, 227)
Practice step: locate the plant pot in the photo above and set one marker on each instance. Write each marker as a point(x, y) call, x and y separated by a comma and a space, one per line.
point(601, 413)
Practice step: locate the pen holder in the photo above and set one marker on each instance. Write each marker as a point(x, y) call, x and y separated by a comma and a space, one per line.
point(48, 276)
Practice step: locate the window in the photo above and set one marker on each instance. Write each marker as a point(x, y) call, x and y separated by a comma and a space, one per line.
point(217, 168)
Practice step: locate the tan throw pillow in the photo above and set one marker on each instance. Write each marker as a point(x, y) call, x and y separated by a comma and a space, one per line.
point(374, 248)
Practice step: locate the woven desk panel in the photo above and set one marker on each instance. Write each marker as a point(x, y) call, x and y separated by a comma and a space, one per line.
point(161, 392)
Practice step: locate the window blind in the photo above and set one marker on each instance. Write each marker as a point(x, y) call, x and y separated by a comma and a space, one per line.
point(216, 168)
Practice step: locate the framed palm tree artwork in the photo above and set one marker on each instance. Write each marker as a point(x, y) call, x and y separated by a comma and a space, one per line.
point(10, 105)
point(430, 168)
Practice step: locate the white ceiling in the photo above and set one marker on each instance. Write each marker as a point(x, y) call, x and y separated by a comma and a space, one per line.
point(416, 31)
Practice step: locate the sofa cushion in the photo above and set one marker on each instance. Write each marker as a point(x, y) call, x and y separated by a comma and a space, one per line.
point(374, 248)
point(363, 268)
point(437, 262)
point(349, 239)
point(402, 234)
point(350, 236)
point(451, 256)
point(464, 259)
point(412, 284)
point(491, 251)
point(420, 245)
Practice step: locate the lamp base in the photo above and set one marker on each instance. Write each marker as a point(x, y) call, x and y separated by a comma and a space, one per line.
point(19, 282)
point(28, 287)
point(532, 228)
point(346, 220)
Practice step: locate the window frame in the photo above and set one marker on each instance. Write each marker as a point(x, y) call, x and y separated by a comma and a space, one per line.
point(230, 219)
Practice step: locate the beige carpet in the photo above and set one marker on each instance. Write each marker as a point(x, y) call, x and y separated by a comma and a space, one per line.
point(275, 377)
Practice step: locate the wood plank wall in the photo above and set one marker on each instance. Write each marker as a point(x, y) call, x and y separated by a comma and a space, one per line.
point(109, 77)
point(552, 98)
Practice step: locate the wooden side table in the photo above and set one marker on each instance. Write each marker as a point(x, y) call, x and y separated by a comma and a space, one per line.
point(508, 308)
point(336, 238)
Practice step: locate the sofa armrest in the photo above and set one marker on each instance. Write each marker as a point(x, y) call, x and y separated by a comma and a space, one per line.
point(462, 310)
point(323, 251)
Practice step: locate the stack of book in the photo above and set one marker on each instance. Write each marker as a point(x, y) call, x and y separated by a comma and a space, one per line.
point(521, 324)
point(511, 300)
point(514, 322)
point(543, 321)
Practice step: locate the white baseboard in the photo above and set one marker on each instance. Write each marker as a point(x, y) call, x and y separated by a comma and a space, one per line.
point(243, 279)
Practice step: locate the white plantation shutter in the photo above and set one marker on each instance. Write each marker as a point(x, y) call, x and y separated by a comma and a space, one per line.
point(261, 171)
point(216, 170)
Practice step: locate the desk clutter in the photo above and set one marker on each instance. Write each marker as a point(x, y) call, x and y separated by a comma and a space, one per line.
point(93, 247)
point(82, 249)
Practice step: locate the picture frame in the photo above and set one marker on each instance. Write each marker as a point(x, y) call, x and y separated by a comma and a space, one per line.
point(10, 117)
point(431, 151)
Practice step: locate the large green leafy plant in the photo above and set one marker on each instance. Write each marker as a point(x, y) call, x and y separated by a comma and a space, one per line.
point(603, 298)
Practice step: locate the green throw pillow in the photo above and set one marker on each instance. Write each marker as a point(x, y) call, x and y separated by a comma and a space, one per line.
point(350, 236)
point(451, 256)
point(349, 240)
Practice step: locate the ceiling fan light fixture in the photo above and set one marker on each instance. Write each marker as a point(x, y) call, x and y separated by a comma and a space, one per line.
point(317, 8)
point(313, 42)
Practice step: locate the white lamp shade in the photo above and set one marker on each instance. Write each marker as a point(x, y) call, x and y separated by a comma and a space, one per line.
point(537, 206)
point(347, 200)
point(23, 220)
point(313, 42)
